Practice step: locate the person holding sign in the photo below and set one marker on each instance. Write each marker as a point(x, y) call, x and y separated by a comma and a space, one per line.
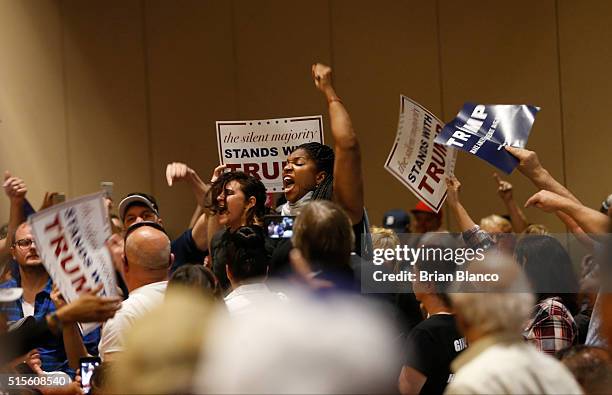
point(315, 171)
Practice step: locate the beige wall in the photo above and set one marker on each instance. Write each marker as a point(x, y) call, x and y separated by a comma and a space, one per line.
point(113, 90)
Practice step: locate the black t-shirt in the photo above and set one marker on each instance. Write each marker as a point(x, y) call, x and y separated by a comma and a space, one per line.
point(431, 347)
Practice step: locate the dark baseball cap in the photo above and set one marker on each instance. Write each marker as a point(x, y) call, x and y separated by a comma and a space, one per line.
point(396, 219)
point(140, 198)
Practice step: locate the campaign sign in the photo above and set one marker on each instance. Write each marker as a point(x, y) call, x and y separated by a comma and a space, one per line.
point(483, 130)
point(70, 238)
point(415, 159)
point(261, 147)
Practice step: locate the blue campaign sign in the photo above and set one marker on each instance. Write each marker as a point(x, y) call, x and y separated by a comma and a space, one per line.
point(483, 130)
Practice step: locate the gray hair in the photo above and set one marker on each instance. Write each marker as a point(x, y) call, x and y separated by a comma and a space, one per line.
point(496, 307)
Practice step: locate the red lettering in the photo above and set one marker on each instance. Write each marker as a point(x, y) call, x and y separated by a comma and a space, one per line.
point(437, 156)
point(251, 169)
point(81, 283)
point(55, 223)
point(423, 184)
point(266, 174)
point(433, 170)
point(61, 245)
point(232, 166)
point(65, 261)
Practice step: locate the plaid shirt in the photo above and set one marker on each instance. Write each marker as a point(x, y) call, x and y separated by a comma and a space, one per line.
point(51, 348)
point(552, 327)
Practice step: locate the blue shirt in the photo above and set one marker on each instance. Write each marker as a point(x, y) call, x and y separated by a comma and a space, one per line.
point(51, 348)
point(185, 251)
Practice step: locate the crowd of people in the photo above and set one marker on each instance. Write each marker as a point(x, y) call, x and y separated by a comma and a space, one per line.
point(235, 305)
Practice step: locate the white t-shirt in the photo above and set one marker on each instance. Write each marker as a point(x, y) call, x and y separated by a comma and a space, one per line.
point(140, 301)
point(245, 298)
point(27, 308)
point(509, 368)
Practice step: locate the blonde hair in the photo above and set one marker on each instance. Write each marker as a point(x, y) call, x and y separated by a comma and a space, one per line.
point(383, 237)
point(163, 348)
point(494, 221)
point(536, 229)
point(324, 234)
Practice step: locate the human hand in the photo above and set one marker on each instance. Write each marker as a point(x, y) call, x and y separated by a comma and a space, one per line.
point(452, 190)
point(14, 187)
point(529, 163)
point(322, 76)
point(547, 201)
point(90, 308)
point(177, 171)
point(32, 359)
point(57, 298)
point(504, 188)
point(115, 245)
point(302, 268)
point(217, 172)
point(48, 200)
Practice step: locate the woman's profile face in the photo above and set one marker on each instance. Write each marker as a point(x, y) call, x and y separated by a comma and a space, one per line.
point(234, 205)
point(299, 175)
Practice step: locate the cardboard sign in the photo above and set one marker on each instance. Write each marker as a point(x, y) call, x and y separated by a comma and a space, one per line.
point(70, 238)
point(484, 130)
point(415, 159)
point(261, 147)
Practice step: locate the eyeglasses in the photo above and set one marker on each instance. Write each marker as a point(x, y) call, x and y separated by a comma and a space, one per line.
point(24, 243)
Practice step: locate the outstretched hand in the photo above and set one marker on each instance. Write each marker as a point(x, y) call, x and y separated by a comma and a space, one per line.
point(177, 171)
point(90, 308)
point(14, 187)
point(547, 201)
point(322, 76)
point(504, 188)
point(217, 172)
point(529, 163)
point(452, 190)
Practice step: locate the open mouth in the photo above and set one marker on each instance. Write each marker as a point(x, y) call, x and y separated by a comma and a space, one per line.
point(288, 183)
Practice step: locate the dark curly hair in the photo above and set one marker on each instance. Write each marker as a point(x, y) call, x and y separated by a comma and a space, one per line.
point(246, 253)
point(323, 157)
point(249, 185)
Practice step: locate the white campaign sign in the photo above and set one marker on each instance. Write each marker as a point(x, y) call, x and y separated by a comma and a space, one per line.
point(70, 238)
point(260, 147)
point(415, 159)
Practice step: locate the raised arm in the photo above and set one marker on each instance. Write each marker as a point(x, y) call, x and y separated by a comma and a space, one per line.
point(589, 220)
point(181, 172)
point(348, 178)
point(530, 167)
point(504, 190)
point(16, 191)
point(464, 220)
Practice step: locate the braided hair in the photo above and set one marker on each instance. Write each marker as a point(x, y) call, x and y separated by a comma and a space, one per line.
point(246, 255)
point(323, 157)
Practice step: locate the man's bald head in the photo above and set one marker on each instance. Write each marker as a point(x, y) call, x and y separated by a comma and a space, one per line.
point(149, 248)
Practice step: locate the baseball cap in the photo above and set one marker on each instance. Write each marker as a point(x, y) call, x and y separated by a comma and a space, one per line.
point(140, 198)
point(10, 294)
point(421, 207)
point(396, 219)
